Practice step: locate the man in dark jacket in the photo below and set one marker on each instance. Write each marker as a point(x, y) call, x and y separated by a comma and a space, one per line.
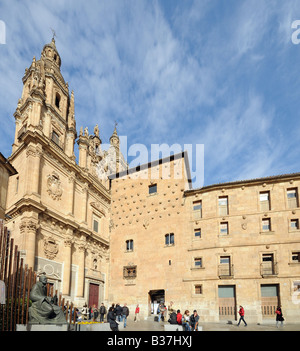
point(111, 319)
point(102, 312)
point(173, 318)
point(118, 312)
point(125, 313)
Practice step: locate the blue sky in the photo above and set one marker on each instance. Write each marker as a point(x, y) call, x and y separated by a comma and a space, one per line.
point(220, 73)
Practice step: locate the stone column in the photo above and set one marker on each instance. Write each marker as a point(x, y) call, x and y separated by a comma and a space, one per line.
point(71, 194)
point(28, 228)
point(85, 191)
point(67, 262)
point(33, 155)
point(81, 264)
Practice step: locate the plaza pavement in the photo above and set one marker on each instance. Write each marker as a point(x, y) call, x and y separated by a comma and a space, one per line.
point(150, 325)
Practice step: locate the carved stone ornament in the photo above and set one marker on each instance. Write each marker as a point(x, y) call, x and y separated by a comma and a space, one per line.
point(50, 248)
point(54, 186)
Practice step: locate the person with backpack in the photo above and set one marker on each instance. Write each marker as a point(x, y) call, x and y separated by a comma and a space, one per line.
point(173, 318)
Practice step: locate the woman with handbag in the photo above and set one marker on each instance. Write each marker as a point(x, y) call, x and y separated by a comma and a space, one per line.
point(279, 316)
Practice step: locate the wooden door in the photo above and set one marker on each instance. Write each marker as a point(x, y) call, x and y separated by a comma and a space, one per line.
point(94, 295)
point(227, 302)
point(269, 300)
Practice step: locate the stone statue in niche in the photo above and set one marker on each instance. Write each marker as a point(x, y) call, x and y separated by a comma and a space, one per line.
point(43, 309)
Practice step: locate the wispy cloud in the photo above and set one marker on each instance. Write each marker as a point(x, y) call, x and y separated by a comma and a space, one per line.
point(223, 75)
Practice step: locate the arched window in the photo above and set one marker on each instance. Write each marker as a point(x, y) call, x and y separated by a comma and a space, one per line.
point(57, 100)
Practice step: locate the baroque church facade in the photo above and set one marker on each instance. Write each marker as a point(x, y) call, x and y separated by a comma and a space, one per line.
point(104, 233)
point(59, 209)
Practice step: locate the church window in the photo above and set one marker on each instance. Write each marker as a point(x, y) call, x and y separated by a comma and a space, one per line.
point(57, 100)
point(55, 138)
point(96, 224)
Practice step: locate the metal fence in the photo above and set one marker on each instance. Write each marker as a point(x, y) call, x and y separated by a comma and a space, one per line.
point(18, 280)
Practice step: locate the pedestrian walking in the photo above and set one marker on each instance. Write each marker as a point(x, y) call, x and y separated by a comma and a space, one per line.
point(118, 311)
point(136, 314)
point(102, 312)
point(125, 314)
point(242, 314)
point(279, 316)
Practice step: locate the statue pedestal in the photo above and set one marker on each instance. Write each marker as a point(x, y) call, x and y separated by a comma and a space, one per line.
point(43, 327)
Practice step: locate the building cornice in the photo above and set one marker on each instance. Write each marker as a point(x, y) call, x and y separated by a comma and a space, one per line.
point(249, 182)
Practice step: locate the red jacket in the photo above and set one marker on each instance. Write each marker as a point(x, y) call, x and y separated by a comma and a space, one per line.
point(137, 310)
point(241, 311)
point(179, 318)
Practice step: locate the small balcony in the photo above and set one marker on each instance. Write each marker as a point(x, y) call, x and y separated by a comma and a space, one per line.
point(225, 271)
point(268, 269)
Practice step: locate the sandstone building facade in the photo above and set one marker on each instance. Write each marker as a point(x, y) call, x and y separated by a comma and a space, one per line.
point(210, 249)
point(144, 235)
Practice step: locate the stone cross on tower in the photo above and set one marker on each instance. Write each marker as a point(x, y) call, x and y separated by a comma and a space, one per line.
point(53, 33)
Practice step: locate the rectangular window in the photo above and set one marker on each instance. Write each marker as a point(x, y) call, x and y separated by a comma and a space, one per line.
point(224, 228)
point(96, 225)
point(17, 184)
point(198, 262)
point(197, 209)
point(197, 233)
point(225, 268)
point(169, 239)
point(264, 198)
point(152, 189)
point(223, 205)
point(55, 138)
point(294, 223)
point(292, 197)
point(129, 245)
point(198, 289)
point(296, 257)
point(225, 260)
point(266, 224)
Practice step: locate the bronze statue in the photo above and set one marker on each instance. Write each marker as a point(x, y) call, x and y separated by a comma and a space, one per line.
point(43, 309)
